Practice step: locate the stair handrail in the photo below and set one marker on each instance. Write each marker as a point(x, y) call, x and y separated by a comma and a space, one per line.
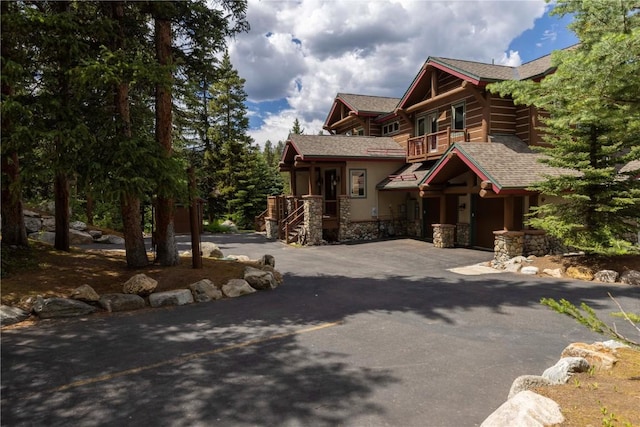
point(292, 221)
point(259, 223)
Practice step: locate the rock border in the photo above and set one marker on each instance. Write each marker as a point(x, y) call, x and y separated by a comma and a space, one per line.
point(524, 407)
point(139, 292)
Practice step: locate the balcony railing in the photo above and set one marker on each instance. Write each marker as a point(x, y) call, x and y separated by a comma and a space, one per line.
point(433, 145)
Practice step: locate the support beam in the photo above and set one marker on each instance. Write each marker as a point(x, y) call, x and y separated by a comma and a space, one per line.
point(438, 98)
point(443, 209)
point(312, 176)
point(508, 213)
point(489, 194)
point(403, 114)
point(434, 83)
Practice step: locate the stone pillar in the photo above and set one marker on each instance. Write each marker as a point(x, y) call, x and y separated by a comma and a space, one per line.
point(535, 243)
point(271, 226)
point(313, 219)
point(463, 237)
point(508, 244)
point(344, 217)
point(443, 235)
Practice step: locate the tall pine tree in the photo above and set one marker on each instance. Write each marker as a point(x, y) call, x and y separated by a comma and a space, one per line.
point(592, 127)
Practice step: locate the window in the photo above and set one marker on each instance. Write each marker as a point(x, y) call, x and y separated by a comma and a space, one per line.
point(457, 116)
point(359, 132)
point(358, 183)
point(390, 128)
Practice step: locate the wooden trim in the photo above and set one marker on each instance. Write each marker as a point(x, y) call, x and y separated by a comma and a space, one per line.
point(435, 99)
point(434, 83)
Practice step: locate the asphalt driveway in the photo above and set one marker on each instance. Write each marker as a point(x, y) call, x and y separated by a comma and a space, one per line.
point(370, 334)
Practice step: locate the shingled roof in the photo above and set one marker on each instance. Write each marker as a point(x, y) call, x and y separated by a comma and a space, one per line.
point(318, 147)
point(368, 104)
point(507, 162)
point(406, 178)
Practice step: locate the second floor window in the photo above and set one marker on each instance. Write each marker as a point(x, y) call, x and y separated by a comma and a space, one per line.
point(390, 128)
point(457, 116)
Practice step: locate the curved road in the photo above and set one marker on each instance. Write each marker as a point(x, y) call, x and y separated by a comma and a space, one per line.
point(370, 334)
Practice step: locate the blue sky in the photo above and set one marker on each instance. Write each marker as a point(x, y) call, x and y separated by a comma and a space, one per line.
point(300, 54)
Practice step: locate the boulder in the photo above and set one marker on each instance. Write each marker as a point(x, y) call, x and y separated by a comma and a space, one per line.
point(32, 224)
point(630, 277)
point(527, 382)
point(140, 284)
point(96, 234)
point(565, 368)
point(612, 344)
point(210, 250)
point(529, 269)
point(237, 287)
point(176, 297)
point(240, 258)
point(49, 223)
point(607, 276)
point(598, 355)
point(78, 225)
point(10, 315)
point(525, 409)
point(79, 237)
point(30, 214)
point(268, 260)
point(512, 267)
point(230, 226)
point(114, 240)
point(553, 272)
point(44, 236)
point(260, 279)
point(61, 307)
point(204, 290)
point(121, 302)
point(85, 293)
point(580, 273)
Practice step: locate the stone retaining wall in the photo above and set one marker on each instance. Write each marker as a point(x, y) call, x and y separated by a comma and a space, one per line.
point(508, 244)
point(535, 243)
point(443, 235)
point(463, 234)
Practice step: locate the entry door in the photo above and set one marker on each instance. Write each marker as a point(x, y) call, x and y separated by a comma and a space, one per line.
point(331, 191)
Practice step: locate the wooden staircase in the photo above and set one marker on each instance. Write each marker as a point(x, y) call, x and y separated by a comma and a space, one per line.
point(292, 227)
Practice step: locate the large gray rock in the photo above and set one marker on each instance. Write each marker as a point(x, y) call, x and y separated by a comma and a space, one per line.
point(268, 260)
point(78, 225)
point(44, 237)
point(79, 237)
point(630, 277)
point(529, 269)
point(85, 293)
point(32, 224)
point(140, 284)
point(230, 226)
point(10, 315)
point(553, 272)
point(114, 240)
point(260, 279)
point(210, 250)
point(237, 287)
point(527, 382)
point(96, 234)
point(525, 409)
point(205, 290)
point(607, 276)
point(49, 223)
point(167, 298)
point(47, 308)
point(121, 302)
point(565, 368)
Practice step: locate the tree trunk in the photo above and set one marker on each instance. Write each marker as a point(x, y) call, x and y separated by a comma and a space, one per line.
point(129, 203)
point(133, 240)
point(61, 191)
point(13, 229)
point(167, 251)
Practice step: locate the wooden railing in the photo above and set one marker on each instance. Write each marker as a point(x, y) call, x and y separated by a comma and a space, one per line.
point(433, 145)
point(290, 223)
point(259, 223)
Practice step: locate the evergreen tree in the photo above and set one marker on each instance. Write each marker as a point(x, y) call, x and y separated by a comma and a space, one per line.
point(591, 127)
point(228, 135)
point(296, 129)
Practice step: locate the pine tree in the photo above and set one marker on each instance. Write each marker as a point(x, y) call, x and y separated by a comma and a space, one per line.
point(591, 127)
point(296, 129)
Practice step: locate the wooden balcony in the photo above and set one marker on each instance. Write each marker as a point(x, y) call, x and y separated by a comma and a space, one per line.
point(432, 146)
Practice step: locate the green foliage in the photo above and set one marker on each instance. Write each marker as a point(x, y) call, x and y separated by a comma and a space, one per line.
point(586, 316)
point(591, 120)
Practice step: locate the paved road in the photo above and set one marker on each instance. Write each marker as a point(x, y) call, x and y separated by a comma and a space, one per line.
point(371, 334)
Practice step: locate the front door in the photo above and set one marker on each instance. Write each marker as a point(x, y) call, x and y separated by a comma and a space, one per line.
point(331, 192)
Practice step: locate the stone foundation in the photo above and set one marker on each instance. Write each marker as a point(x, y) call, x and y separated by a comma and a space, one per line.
point(313, 219)
point(443, 235)
point(508, 244)
point(463, 234)
point(535, 243)
point(271, 226)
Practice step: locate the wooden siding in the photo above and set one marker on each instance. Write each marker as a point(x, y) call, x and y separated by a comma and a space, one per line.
point(523, 123)
point(503, 115)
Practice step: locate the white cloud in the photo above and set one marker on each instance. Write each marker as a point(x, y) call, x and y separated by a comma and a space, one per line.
point(307, 51)
point(512, 59)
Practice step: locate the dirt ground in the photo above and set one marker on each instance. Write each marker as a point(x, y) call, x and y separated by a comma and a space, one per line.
point(600, 398)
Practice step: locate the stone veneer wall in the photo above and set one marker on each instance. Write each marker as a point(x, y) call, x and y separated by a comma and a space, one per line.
point(344, 217)
point(414, 228)
point(313, 219)
point(463, 234)
point(271, 226)
point(443, 235)
point(535, 243)
point(508, 244)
